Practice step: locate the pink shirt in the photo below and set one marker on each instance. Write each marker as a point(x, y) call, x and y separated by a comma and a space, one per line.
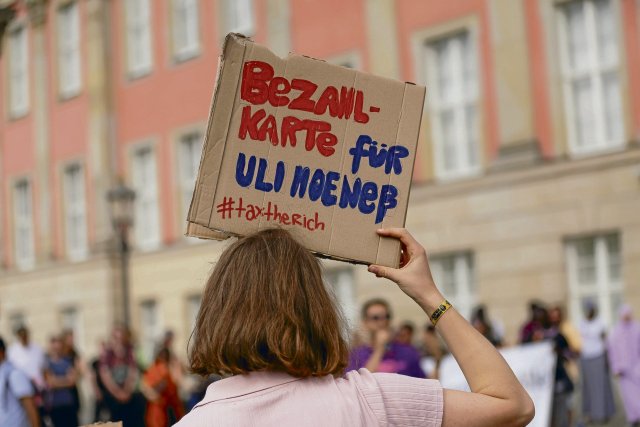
point(359, 399)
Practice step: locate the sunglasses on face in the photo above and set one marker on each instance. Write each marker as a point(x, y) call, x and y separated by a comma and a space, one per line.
point(377, 317)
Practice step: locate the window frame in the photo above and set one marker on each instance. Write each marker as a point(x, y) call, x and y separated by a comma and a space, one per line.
point(465, 297)
point(189, 51)
point(594, 74)
point(191, 312)
point(78, 329)
point(69, 87)
point(81, 252)
point(181, 181)
point(135, 67)
point(234, 27)
point(351, 60)
point(342, 281)
point(16, 319)
point(28, 262)
point(149, 337)
point(435, 107)
point(603, 289)
point(155, 242)
point(20, 110)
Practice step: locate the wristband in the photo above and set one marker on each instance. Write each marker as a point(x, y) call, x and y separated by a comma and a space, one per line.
point(437, 314)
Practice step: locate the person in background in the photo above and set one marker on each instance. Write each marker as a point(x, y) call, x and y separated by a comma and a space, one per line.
point(70, 352)
point(624, 359)
point(17, 407)
point(383, 354)
point(486, 326)
point(60, 376)
point(99, 390)
point(567, 329)
point(597, 395)
point(431, 351)
point(562, 413)
point(534, 329)
point(176, 367)
point(119, 373)
point(161, 392)
point(405, 333)
point(27, 356)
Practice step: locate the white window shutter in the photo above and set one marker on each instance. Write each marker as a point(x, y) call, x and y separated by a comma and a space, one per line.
point(18, 71)
point(591, 69)
point(452, 73)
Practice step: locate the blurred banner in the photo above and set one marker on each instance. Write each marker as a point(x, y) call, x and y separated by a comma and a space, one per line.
point(534, 365)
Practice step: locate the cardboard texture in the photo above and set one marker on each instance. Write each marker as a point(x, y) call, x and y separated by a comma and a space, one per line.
point(323, 151)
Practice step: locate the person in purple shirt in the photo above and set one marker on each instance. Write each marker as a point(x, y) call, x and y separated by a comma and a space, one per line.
point(382, 354)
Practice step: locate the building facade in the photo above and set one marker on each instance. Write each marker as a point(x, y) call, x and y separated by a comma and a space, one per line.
point(527, 182)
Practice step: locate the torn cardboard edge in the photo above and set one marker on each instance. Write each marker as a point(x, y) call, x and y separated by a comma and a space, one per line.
point(219, 133)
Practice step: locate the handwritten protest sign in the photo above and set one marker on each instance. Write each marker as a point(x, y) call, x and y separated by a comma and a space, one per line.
point(324, 151)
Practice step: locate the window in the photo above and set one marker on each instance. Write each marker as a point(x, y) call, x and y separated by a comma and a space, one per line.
point(595, 273)
point(69, 79)
point(343, 285)
point(23, 225)
point(453, 105)
point(190, 150)
point(454, 276)
point(185, 28)
point(240, 17)
point(193, 307)
point(348, 60)
point(591, 76)
point(17, 320)
point(451, 68)
point(70, 321)
point(138, 19)
point(18, 72)
point(75, 212)
point(150, 329)
point(145, 184)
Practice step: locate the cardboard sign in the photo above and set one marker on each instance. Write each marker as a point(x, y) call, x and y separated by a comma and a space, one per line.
point(323, 151)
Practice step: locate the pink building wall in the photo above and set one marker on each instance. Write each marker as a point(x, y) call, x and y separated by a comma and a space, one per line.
point(416, 15)
point(175, 95)
point(18, 148)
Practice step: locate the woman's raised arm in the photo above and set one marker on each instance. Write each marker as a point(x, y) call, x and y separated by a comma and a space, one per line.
point(497, 398)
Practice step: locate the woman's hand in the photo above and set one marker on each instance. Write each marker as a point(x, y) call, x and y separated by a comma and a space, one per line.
point(414, 276)
point(497, 398)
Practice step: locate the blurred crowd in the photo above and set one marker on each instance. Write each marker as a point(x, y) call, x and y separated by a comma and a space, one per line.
point(587, 356)
point(42, 388)
point(39, 387)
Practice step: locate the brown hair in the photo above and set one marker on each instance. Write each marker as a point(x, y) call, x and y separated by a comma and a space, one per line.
point(371, 303)
point(266, 308)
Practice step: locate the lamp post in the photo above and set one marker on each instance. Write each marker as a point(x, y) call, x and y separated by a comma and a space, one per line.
point(121, 200)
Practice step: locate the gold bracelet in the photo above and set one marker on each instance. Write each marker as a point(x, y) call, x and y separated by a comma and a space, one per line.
point(437, 314)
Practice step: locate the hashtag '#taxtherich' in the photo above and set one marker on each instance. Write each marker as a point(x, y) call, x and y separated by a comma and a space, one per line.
point(226, 207)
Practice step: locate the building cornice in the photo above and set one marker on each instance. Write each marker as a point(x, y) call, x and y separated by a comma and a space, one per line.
point(548, 170)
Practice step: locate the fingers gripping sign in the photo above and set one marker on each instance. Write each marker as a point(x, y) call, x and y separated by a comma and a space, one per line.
point(414, 277)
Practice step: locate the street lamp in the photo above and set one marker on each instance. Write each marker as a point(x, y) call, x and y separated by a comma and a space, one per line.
point(121, 200)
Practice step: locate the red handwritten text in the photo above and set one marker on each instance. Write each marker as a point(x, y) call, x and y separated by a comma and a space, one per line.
point(232, 208)
point(260, 85)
